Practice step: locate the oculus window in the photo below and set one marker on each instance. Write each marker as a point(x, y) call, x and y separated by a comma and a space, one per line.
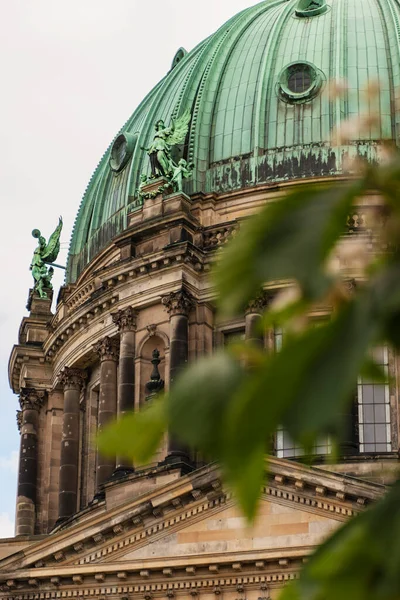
point(311, 8)
point(299, 82)
point(121, 150)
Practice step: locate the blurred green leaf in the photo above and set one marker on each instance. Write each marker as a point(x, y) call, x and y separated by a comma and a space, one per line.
point(359, 562)
point(372, 372)
point(305, 388)
point(201, 396)
point(136, 436)
point(289, 239)
point(278, 318)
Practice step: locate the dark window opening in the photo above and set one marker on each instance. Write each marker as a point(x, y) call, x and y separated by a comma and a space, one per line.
point(300, 81)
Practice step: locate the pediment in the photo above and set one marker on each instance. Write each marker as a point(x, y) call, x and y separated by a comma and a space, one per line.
point(194, 520)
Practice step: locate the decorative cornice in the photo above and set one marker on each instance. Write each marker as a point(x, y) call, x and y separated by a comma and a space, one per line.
point(217, 236)
point(178, 303)
point(70, 377)
point(125, 319)
point(258, 304)
point(107, 349)
point(31, 399)
point(260, 577)
point(187, 501)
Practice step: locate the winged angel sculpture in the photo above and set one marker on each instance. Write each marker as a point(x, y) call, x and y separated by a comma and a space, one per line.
point(45, 254)
point(159, 152)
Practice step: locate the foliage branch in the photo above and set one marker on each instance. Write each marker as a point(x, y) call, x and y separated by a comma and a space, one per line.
point(230, 404)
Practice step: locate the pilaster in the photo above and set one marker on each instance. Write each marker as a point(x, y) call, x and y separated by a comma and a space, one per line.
point(126, 322)
point(108, 352)
point(73, 381)
point(178, 305)
point(253, 319)
point(31, 401)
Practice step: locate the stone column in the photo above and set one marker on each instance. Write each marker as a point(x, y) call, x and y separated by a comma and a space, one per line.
point(178, 306)
point(107, 350)
point(126, 323)
point(73, 380)
point(30, 401)
point(253, 320)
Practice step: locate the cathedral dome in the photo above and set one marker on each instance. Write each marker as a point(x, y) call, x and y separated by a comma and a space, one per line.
point(257, 91)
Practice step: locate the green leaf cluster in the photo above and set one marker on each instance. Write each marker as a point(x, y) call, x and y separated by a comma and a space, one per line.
point(229, 405)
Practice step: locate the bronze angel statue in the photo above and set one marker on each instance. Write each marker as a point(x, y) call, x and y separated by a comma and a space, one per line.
point(164, 139)
point(45, 253)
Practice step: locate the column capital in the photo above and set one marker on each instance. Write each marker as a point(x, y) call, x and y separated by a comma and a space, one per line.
point(31, 399)
point(258, 304)
point(125, 319)
point(107, 349)
point(73, 377)
point(178, 303)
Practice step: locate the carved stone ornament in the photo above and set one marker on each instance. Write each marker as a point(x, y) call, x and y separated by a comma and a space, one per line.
point(19, 419)
point(156, 384)
point(178, 303)
point(258, 304)
point(152, 329)
point(125, 319)
point(350, 285)
point(30, 399)
point(73, 377)
point(107, 349)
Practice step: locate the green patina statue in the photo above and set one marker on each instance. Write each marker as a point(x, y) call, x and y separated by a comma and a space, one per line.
point(45, 254)
point(181, 171)
point(164, 139)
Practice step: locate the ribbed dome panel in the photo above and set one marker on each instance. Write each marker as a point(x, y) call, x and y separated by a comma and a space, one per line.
point(244, 131)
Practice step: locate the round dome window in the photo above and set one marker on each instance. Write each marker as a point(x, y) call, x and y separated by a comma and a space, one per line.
point(299, 82)
point(122, 150)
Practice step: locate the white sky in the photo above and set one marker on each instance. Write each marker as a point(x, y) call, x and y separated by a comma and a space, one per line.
point(72, 72)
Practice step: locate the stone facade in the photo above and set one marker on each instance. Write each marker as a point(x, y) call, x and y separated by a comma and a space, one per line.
point(138, 306)
point(170, 527)
point(169, 536)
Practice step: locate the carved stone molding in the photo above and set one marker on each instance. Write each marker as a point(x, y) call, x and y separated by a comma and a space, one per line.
point(73, 377)
point(125, 319)
point(152, 329)
point(178, 303)
point(19, 419)
point(31, 399)
point(107, 349)
point(258, 304)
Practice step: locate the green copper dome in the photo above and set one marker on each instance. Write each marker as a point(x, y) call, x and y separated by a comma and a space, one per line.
point(260, 111)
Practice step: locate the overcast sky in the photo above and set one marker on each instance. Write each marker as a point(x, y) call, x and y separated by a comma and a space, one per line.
point(72, 72)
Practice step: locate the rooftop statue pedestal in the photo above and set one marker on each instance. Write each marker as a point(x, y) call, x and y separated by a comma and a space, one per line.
point(160, 201)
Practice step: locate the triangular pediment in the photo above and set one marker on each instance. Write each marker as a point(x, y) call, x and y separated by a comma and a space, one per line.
point(193, 519)
point(224, 531)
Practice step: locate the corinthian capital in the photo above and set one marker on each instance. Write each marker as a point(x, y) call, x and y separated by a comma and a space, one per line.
point(107, 349)
point(125, 319)
point(30, 399)
point(258, 304)
point(178, 303)
point(73, 377)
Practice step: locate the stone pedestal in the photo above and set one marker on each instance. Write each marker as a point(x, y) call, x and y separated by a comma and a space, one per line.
point(178, 306)
point(108, 350)
point(31, 401)
point(73, 380)
point(126, 322)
